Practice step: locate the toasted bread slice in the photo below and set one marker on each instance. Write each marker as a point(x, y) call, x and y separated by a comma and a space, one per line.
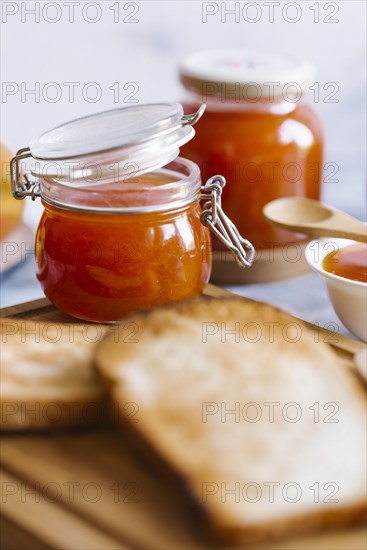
point(258, 419)
point(48, 379)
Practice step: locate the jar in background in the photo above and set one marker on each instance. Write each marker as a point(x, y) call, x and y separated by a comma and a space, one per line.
point(123, 227)
point(266, 140)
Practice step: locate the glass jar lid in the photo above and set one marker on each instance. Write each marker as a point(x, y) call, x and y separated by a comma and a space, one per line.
point(239, 74)
point(115, 144)
point(147, 135)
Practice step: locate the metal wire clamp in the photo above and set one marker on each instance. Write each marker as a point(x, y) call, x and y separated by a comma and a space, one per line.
point(222, 227)
point(22, 188)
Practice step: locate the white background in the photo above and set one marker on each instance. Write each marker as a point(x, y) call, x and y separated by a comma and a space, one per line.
point(147, 53)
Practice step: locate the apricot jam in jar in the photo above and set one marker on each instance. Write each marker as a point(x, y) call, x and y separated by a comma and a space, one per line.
point(268, 141)
point(126, 221)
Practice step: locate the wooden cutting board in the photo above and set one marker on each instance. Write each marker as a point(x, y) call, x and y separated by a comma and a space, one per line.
point(85, 490)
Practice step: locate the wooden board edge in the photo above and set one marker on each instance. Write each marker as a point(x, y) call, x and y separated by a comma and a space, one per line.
point(338, 342)
point(18, 310)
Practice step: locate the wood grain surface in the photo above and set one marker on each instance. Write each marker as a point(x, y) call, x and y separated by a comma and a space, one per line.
point(87, 490)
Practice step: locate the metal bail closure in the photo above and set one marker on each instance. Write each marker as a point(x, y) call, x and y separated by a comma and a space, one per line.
point(222, 227)
point(22, 188)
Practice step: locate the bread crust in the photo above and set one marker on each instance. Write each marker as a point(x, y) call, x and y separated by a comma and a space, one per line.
point(48, 378)
point(141, 444)
point(115, 358)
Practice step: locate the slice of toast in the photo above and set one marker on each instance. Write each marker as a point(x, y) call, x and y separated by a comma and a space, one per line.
point(255, 416)
point(48, 379)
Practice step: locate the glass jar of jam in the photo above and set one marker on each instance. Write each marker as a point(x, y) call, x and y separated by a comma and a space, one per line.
point(126, 222)
point(263, 137)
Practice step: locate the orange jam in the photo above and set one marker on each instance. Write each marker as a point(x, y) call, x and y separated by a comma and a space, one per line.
point(264, 155)
point(101, 265)
point(349, 262)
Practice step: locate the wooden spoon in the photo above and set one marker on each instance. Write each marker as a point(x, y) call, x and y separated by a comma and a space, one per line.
point(314, 218)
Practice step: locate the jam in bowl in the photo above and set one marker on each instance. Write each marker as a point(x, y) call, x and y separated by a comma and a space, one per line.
point(342, 265)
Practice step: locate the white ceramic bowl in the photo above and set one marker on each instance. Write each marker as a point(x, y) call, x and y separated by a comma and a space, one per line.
point(349, 298)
